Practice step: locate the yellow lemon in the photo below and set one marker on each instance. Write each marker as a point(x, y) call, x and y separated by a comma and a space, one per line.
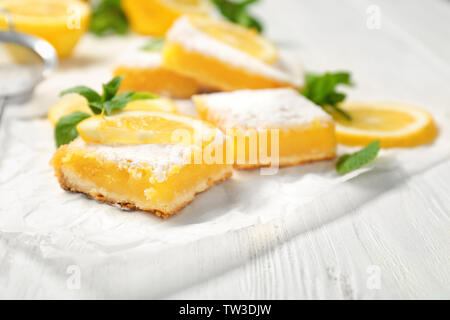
point(393, 124)
point(76, 102)
point(60, 22)
point(249, 41)
point(154, 17)
point(146, 127)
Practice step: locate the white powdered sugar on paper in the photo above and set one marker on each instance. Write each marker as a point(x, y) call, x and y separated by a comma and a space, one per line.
point(192, 39)
point(160, 157)
point(264, 108)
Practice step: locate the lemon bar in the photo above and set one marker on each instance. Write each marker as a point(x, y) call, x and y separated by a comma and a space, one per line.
point(143, 71)
point(269, 127)
point(223, 56)
point(153, 177)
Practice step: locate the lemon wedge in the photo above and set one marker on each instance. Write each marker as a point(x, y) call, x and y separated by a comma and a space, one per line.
point(75, 102)
point(393, 124)
point(154, 17)
point(146, 127)
point(60, 22)
point(241, 38)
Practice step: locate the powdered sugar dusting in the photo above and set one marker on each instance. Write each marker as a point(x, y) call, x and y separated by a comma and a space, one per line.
point(160, 157)
point(192, 39)
point(265, 108)
point(135, 57)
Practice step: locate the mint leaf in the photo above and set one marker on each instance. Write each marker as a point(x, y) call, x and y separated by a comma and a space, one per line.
point(88, 93)
point(237, 12)
point(154, 45)
point(66, 128)
point(118, 103)
point(108, 18)
point(110, 89)
point(96, 107)
point(351, 162)
point(321, 89)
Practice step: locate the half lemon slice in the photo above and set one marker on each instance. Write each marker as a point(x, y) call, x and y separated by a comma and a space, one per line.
point(236, 36)
point(393, 124)
point(142, 127)
point(154, 17)
point(75, 102)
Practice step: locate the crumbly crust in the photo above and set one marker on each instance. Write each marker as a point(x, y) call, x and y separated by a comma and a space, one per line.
point(70, 182)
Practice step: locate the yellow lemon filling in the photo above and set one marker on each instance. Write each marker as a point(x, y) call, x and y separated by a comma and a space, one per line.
point(269, 127)
point(159, 80)
point(113, 174)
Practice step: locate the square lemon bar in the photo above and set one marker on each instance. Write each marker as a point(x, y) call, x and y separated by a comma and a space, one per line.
point(223, 56)
point(143, 71)
point(269, 127)
point(157, 176)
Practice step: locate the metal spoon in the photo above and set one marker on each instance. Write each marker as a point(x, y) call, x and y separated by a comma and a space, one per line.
point(11, 92)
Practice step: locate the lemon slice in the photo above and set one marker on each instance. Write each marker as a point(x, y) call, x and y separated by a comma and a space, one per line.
point(187, 6)
point(60, 22)
point(249, 41)
point(146, 127)
point(75, 102)
point(393, 124)
point(154, 17)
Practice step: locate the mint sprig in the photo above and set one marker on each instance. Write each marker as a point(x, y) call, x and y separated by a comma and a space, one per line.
point(108, 18)
point(154, 45)
point(107, 102)
point(321, 89)
point(237, 12)
point(351, 162)
point(66, 128)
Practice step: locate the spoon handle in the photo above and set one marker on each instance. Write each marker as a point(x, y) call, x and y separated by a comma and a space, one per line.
point(2, 108)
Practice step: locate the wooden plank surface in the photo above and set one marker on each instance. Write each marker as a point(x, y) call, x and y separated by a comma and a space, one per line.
point(384, 234)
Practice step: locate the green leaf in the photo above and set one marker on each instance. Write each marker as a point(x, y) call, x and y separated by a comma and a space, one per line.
point(96, 107)
point(351, 162)
point(154, 45)
point(110, 89)
point(321, 89)
point(236, 12)
point(118, 103)
point(108, 18)
point(66, 128)
point(88, 93)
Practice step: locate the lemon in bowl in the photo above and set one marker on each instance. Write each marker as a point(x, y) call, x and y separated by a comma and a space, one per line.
point(60, 22)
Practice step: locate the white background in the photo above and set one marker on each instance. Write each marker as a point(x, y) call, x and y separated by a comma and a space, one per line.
point(304, 233)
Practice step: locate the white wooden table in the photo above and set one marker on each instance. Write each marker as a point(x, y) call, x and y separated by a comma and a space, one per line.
point(383, 234)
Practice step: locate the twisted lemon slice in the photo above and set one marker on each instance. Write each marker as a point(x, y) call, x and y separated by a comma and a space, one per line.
point(75, 102)
point(143, 127)
point(60, 22)
point(154, 17)
point(141, 162)
point(393, 124)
